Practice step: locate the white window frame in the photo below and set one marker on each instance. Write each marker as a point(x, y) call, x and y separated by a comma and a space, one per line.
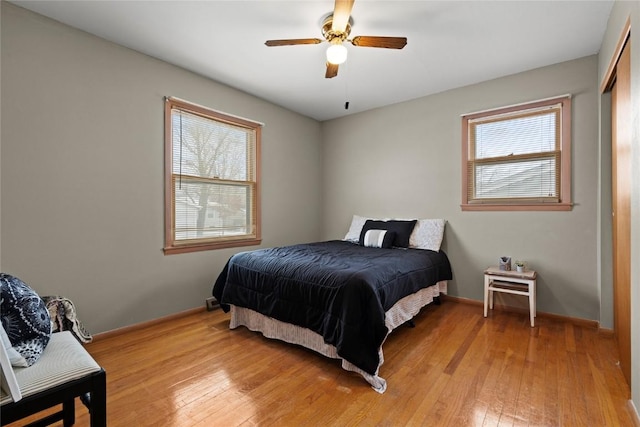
point(176, 245)
point(563, 200)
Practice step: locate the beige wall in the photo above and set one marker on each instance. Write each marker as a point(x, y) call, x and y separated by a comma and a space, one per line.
point(82, 173)
point(623, 10)
point(405, 161)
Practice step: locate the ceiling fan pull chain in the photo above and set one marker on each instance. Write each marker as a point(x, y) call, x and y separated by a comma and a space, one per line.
point(346, 88)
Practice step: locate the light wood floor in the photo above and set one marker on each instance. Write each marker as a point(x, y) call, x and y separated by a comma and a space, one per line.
point(455, 368)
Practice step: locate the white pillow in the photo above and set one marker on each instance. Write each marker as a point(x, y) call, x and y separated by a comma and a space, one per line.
point(8, 381)
point(15, 358)
point(427, 234)
point(357, 222)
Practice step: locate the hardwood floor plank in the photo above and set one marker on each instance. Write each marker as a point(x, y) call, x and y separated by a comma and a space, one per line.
point(454, 368)
point(551, 411)
point(536, 358)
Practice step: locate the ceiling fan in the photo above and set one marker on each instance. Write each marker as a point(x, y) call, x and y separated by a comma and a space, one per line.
point(336, 29)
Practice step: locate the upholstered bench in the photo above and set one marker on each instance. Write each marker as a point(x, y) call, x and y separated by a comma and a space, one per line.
point(64, 371)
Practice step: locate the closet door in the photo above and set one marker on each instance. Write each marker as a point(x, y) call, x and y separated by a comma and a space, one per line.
point(621, 201)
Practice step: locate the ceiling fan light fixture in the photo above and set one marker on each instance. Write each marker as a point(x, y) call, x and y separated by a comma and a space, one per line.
point(336, 54)
point(336, 29)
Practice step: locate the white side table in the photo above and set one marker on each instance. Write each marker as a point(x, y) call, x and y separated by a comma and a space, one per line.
point(511, 282)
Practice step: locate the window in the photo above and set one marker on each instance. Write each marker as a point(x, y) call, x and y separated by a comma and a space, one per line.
point(518, 158)
point(212, 192)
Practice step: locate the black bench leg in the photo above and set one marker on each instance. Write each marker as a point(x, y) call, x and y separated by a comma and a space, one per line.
point(98, 401)
point(68, 412)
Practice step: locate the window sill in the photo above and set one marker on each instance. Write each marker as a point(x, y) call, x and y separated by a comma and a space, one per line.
point(517, 207)
point(172, 250)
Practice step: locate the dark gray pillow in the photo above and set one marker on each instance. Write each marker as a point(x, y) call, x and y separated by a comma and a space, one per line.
point(24, 317)
point(402, 230)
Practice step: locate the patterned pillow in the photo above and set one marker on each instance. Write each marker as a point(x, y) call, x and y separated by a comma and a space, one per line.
point(428, 234)
point(24, 317)
point(15, 358)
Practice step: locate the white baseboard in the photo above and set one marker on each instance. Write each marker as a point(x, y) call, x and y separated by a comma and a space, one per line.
point(634, 413)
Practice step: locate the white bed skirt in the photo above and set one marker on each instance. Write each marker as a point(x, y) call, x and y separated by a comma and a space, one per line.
point(403, 311)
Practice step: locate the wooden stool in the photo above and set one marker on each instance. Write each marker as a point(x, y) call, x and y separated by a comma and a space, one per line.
point(511, 282)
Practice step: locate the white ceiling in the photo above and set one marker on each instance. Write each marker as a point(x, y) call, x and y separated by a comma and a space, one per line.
point(450, 43)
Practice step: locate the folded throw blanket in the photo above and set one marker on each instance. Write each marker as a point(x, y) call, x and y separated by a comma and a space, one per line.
point(63, 317)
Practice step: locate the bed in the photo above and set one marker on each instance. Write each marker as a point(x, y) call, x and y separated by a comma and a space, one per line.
point(340, 298)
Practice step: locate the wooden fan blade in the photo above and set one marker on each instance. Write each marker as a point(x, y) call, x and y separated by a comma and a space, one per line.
point(332, 70)
point(341, 15)
point(289, 42)
point(375, 41)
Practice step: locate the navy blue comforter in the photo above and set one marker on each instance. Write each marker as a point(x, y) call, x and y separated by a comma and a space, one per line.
point(337, 289)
